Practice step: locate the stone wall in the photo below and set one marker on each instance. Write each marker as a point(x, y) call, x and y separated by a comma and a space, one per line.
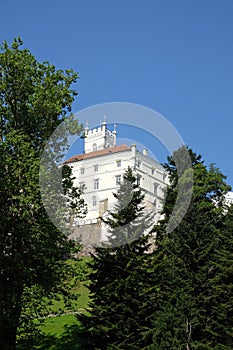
point(87, 235)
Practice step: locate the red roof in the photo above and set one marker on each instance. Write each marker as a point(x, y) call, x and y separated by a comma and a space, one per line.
point(101, 152)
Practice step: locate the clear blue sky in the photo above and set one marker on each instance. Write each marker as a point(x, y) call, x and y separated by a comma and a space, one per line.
point(174, 56)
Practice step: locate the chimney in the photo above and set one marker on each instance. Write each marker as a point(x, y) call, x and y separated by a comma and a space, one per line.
point(133, 150)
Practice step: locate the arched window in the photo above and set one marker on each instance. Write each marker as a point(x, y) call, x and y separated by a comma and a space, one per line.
point(94, 202)
point(94, 147)
point(96, 184)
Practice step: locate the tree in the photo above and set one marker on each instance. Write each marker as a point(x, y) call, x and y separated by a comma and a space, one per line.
point(180, 306)
point(220, 300)
point(118, 273)
point(35, 99)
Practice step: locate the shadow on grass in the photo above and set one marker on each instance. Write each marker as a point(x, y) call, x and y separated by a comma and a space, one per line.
point(71, 339)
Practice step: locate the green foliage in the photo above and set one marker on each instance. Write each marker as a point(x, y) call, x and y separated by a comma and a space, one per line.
point(182, 295)
point(34, 99)
point(220, 298)
point(118, 274)
point(56, 326)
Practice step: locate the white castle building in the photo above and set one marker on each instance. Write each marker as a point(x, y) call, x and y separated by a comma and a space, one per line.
point(229, 198)
point(99, 170)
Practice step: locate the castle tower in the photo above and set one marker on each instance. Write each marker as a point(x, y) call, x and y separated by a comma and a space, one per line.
point(99, 138)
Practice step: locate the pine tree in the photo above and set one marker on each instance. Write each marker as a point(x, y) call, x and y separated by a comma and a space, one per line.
point(178, 300)
point(118, 276)
point(220, 298)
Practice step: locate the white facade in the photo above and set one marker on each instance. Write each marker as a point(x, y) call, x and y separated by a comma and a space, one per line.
point(229, 198)
point(101, 167)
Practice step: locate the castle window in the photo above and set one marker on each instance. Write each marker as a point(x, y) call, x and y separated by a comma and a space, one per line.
point(96, 167)
point(155, 188)
point(82, 186)
point(96, 184)
point(138, 163)
point(118, 179)
point(138, 180)
point(94, 202)
point(94, 147)
point(152, 171)
point(82, 171)
point(118, 162)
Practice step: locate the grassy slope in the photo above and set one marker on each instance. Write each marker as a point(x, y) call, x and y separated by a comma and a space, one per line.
point(61, 333)
point(64, 332)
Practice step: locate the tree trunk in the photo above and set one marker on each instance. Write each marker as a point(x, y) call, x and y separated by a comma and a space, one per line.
point(7, 335)
point(188, 332)
point(10, 311)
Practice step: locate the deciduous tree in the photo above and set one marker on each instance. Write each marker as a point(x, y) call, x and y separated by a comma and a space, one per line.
point(35, 99)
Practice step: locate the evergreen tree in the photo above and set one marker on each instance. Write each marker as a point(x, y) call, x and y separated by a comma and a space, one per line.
point(220, 297)
point(118, 276)
point(178, 303)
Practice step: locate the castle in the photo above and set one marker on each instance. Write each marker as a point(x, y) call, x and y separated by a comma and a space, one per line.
point(99, 170)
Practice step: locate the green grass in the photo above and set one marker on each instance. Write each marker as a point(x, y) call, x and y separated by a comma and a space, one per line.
point(63, 331)
point(56, 325)
point(79, 289)
point(82, 294)
point(60, 333)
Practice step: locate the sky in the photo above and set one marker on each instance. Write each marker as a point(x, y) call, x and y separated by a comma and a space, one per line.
point(171, 56)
